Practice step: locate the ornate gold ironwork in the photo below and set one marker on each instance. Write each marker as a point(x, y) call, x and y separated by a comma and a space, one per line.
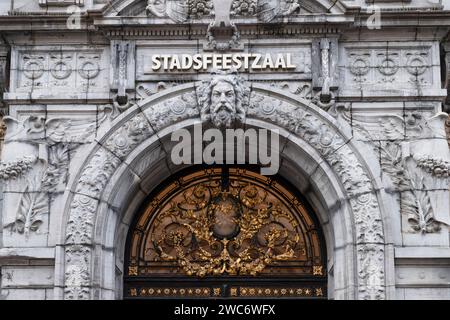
point(225, 225)
point(287, 292)
point(278, 292)
point(133, 271)
point(318, 270)
point(174, 292)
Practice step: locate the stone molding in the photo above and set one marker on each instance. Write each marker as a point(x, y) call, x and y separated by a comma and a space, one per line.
point(60, 3)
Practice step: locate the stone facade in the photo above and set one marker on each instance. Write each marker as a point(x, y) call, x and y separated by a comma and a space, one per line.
point(85, 124)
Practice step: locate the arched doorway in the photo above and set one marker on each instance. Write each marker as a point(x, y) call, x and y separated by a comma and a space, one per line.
point(221, 232)
point(318, 157)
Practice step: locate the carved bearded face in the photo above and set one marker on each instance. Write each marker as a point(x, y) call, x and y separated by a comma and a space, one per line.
point(223, 104)
point(157, 7)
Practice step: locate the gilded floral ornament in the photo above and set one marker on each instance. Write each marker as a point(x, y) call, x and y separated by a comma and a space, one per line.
point(228, 227)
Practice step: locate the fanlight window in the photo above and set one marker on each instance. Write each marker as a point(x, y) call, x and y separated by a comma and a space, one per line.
point(225, 232)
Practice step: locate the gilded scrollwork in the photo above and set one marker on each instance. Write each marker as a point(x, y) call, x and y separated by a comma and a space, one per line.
point(205, 229)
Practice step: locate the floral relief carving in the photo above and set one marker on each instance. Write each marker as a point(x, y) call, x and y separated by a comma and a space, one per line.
point(80, 224)
point(244, 7)
point(129, 136)
point(371, 272)
point(174, 109)
point(14, 169)
point(84, 205)
point(34, 204)
point(77, 273)
point(439, 168)
point(305, 124)
point(57, 169)
point(200, 8)
point(182, 10)
point(415, 201)
point(97, 173)
point(61, 136)
point(357, 183)
point(32, 207)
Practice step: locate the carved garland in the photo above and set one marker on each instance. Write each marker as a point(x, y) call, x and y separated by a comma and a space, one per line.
point(318, 133)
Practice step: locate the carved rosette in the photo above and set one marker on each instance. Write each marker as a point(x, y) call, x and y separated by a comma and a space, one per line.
point(319, 133)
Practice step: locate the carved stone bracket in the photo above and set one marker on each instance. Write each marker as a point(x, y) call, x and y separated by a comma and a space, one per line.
point(122, 68)
point(222, 33)
point(324, 68)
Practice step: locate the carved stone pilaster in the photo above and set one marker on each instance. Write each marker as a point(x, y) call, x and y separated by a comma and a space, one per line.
point(123, 69)
point(324, 68)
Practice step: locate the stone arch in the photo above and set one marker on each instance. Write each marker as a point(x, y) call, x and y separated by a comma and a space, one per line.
point(320, 157)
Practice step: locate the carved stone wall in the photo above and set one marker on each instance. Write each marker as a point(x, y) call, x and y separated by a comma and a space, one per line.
point(86, 135)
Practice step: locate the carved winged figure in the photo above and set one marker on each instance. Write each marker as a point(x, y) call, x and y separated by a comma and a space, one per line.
point(270, 9)
point(177, 10)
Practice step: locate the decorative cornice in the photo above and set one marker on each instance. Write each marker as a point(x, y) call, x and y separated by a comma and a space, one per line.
point(181, 31)
point(91, 19)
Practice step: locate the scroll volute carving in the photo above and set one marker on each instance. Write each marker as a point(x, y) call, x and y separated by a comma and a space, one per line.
point(204, 225)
